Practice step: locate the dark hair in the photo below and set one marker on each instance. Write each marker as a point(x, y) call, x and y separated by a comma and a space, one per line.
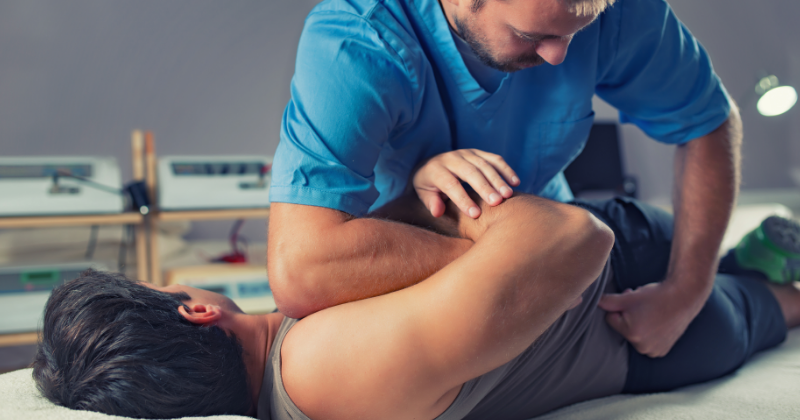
point(111, 345)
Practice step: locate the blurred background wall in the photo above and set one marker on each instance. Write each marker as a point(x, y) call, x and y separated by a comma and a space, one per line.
point(212, 77)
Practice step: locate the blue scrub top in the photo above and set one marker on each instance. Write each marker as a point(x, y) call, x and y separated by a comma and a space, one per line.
point(380, 86)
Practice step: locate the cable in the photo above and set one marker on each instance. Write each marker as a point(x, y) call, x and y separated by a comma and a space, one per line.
point(97, 185)
point(136, 191)
point(236, 256)
point(127, 238)
point(92, 243)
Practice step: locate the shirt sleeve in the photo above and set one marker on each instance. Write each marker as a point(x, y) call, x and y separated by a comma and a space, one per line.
point(349, 92)
point(656, 74)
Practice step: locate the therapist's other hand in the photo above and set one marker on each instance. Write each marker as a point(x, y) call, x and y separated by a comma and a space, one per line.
point(652, 318)
point(487, 173)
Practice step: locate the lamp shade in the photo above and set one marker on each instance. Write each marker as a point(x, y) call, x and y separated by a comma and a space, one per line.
point(776, 101)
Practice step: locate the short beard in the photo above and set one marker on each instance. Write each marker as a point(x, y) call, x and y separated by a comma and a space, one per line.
point(478, 45)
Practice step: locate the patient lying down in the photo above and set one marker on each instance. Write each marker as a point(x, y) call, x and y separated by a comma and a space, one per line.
point(510, 330)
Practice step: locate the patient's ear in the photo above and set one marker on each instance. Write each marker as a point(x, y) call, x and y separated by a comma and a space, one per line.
point(201, 314)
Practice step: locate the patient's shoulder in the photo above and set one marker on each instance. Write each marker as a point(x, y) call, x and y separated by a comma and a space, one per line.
point(360, 360)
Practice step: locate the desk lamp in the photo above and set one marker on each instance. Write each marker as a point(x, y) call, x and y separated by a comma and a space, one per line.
point(774, 99)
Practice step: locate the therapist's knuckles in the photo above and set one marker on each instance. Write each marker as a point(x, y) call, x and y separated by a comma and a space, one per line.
point(649, 343)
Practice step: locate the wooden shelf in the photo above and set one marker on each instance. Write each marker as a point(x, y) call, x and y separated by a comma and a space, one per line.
point(128, 218)
point(226, 214)
point(19, 339)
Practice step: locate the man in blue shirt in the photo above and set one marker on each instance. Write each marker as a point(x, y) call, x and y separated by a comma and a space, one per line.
point(381, 86)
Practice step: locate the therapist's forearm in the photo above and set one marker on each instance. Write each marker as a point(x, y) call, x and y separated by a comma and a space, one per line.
point(706, 187)
point(319, 257)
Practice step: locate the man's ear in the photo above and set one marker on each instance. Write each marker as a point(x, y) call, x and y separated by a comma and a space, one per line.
point(201, 314)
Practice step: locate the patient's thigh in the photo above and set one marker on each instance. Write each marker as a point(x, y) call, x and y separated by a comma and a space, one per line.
point(643, 239)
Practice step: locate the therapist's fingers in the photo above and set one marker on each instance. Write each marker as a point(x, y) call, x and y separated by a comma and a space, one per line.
point(618, 322)
point(500, 165)
point(432, 200)
point(450, 184)
point(486, 173)
point(492, 173)
point(473, 175)
point(614, 302)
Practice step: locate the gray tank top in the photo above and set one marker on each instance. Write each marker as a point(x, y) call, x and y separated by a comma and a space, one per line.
point(578, 358)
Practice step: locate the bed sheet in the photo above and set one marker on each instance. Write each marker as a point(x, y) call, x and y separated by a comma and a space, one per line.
point(767, 387)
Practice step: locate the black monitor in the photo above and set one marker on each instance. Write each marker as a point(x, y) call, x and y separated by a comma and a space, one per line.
point(599, 166)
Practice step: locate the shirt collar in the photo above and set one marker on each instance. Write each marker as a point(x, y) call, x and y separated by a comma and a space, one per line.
point(487, 77)
point(434, 18)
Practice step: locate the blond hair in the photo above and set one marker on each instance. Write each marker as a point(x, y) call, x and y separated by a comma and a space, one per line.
point(587, 7)
point(579, 7)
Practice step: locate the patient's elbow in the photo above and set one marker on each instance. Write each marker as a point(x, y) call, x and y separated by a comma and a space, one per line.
point(602, 239)
point(597, 232)
point(591, 241)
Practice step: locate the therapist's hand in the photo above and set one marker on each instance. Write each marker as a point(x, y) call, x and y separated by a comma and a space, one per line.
point(487, 173)
point(653, 317)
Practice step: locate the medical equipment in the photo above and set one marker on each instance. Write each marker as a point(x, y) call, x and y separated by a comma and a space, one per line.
point(59, 186)
point(213, 182)
point(24, 291)
point(246, 285)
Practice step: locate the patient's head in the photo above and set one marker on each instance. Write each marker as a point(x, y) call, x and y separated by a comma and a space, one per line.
point(114, 346)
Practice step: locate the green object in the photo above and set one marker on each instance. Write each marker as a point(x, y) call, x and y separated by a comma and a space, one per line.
point(773, 248)
point(40, 277)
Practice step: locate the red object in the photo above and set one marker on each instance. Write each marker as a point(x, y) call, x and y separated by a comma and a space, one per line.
point(236, 256)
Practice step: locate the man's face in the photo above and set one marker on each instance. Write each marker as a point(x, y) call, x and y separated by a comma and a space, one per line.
point(512, 35)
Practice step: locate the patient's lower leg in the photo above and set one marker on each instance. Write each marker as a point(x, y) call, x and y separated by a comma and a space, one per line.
point(788, 296)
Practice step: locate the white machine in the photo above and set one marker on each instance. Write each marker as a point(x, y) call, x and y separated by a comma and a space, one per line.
point(59, 186)
point(246, 285)
point(24, 291)
point(213, 182)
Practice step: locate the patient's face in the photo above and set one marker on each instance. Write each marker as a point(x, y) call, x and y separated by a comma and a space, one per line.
point(198, 296)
